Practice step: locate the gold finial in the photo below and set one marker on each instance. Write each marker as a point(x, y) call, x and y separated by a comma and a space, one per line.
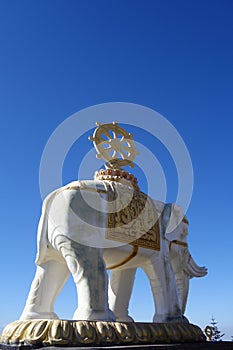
point(114, 144)
point(209, 332)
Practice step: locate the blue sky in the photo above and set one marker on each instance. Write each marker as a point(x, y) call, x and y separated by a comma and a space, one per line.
point(58, 57)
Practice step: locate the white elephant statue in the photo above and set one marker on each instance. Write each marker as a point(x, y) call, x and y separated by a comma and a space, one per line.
point(72, 239)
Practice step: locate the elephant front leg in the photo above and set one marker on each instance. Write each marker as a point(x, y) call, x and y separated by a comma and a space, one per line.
point(164, 291)
point(120, 290)
point(48, 282)
point(89, 273)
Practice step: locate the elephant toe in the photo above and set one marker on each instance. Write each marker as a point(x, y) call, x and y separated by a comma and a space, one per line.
point(94, 315)
point(30, 315)
point(125, 318)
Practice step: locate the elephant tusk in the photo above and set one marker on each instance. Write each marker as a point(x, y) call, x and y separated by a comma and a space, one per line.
point(194, 270)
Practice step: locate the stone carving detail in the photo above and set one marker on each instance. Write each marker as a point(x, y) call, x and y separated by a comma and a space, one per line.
point(81, 333)
point(128, 226)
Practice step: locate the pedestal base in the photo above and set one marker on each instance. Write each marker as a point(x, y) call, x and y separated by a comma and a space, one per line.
point(64, 333)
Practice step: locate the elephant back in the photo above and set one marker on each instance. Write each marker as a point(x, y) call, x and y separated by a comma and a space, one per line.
point(115, 215)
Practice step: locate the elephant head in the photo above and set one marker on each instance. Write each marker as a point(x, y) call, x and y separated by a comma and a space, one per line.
point(182, 262)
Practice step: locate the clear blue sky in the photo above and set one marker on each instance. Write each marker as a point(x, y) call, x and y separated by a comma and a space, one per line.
point(58, 57)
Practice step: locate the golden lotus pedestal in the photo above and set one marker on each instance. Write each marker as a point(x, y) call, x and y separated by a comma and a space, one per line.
point(34, 334)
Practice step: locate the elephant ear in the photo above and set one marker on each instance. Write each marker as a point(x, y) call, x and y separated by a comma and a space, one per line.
point(159, 206)
point(176, 216)
point(166, 215)
point(171, 217)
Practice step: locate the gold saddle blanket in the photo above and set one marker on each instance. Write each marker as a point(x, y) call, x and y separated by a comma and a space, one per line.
point(132, 218)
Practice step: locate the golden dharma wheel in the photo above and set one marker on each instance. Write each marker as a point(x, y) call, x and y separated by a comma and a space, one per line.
point(114, 144)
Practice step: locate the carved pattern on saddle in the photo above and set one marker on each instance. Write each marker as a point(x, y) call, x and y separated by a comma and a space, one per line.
point(136, 223)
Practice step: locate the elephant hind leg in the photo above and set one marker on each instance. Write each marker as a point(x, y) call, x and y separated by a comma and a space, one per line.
point(89, 273)
point(120, 290)
point(48, 282)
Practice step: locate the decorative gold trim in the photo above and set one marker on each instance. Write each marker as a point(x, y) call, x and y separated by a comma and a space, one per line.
point(131, 256)
point(176, 241)
point(95, 333)
point(117, 175)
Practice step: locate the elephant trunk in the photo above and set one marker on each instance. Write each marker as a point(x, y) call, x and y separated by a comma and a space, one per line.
point(182, 282)
point(194, 270)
